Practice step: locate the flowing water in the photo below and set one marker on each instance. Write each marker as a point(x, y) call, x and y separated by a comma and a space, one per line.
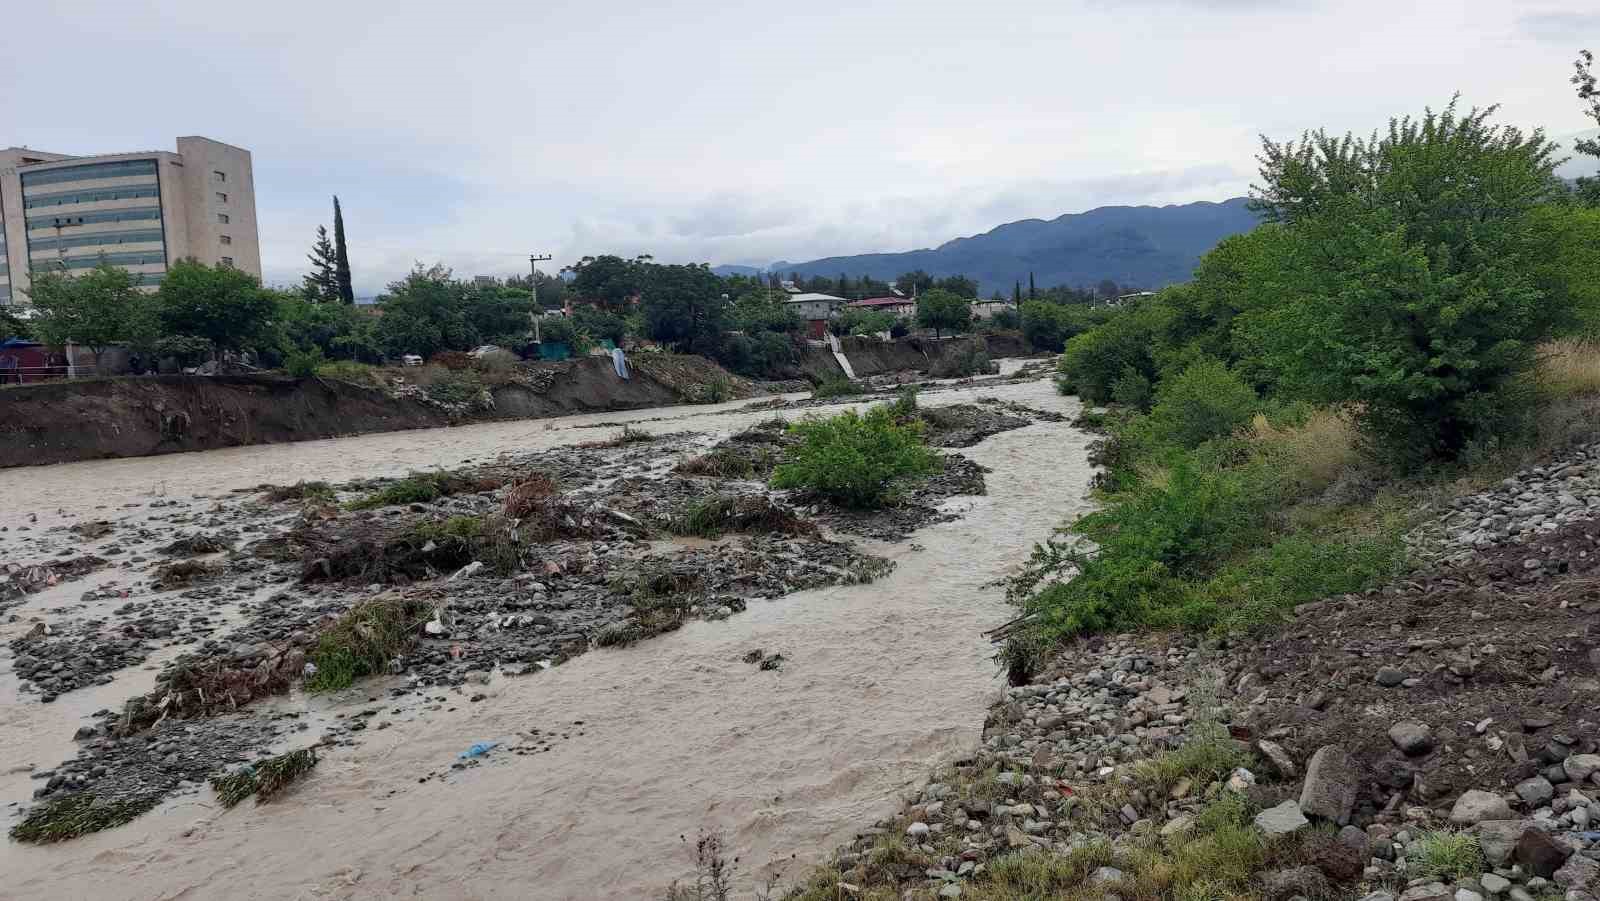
point(665, 738)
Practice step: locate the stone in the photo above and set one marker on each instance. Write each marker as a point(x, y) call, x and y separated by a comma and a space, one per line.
point(1279, 759)
point(1581, 766)
point(1389, 677)
point(1540, 854)
point(1466, 894)
point(1106, 874)
point(917, 830)
point(1177, 826)
point(1494, 883)
point(1431, 891)
point(1498, 839)
point(1536, 792)
point(1378, 896)
point(1578, 872)
point(1330, 787)
point(1355, 838)
point(950, 891)
point(1284, 819)
point(1282, 885)
point(1475, 806)
point(1412, 738)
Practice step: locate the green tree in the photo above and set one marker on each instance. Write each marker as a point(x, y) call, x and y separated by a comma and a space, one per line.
point(959, 285)
point(96, 309)
point(943, 311)
point(1406, 282)
point(914, 282)
point(684, 306)
point(423, 314)
point(1583, 79)
point(347, 292)
point(600, 323)
point(608, 280)
point(1033, 292)
point(224, 306)
point(1016, 292)
point(321, 284)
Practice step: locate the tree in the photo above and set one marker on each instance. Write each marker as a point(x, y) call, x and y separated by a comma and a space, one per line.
point(1405, 282)
point(684, 306)
point(423, 314)
point(322, 282)
point(1016, 292)
point(96, 309)
point(943, 311)
point(608, 280)
point(347, 292)
point(223, 306)
point(914, 282)
point(1584, 79)
point(1033, 292)
point(959, 285)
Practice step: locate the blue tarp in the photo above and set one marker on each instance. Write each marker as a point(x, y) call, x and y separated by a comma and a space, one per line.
point(620, 362)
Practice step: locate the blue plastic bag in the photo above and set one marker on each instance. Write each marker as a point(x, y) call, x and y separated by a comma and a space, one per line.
point(479, 749)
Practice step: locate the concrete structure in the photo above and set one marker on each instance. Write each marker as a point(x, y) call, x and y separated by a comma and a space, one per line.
point(815, 309)
point(985, 309)
point(138, 211)
point(897, 306)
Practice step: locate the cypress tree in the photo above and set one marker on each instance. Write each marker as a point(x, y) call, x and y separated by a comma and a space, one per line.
point(346, 292)
point(1033, 293)
point(1016, 291)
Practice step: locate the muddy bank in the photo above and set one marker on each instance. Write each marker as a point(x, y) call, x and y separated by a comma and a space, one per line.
point(870, 356)
point(137, 417)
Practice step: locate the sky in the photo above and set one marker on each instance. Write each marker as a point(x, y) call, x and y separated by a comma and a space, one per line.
point(477, 132)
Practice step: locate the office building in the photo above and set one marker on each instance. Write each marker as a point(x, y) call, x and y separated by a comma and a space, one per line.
point(138, 211)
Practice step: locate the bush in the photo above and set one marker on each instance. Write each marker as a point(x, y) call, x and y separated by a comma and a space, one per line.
point(854, 460)
point(451, 386)
point(1094, 360)
point(1132, 390)
point(1203, 402)
point(303, 364)
point(836, 387)
point(557, 329)
point(364, 640)
point(350, 371)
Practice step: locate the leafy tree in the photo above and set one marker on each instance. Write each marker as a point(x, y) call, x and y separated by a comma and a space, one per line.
point(1202, 402)
point(943, 311)
point(1405, 284)
point(341, 332)
point(764, 311)
point(1583, 79)
point(684, 306)
point(607, 279)
point(599, 323)
point(1033, 292)
point(959, 285)
point(347, 291)
point(1007, 319)
point(497, 314)
point(96, 309)
point(224, 306)
point(914, 282)
point(856, 321)
point(423, 314)
point(12, 325)
point(321, 284)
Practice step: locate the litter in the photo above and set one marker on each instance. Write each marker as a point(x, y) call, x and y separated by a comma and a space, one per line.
point(479, 749)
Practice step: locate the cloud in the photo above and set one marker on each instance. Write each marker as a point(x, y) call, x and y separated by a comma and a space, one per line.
point(1567, 27)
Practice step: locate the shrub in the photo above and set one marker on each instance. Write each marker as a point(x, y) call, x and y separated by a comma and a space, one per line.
point(1203, 402)
point(1094, 360)
point(1132, 390)
point(364, 640)
point(904, 406)
point(557, 329)
point(836, 387)
point(451, 386)
point(854, 459)
point(350, 371)
point(421, 488)
point(303, 364)
point(1446, 855)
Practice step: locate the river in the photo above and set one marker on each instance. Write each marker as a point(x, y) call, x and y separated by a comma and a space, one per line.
point(665, 738)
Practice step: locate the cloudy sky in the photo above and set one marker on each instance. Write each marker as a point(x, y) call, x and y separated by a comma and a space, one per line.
point(734, 131)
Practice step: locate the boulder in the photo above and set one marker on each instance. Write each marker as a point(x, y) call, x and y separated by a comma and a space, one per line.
point(1498, 839)
point(1431, 891)
point(1536, 792)
point(1581, 766)
point(1331, 783)
point(1579, 873)
point(1281, 885)
point(1412, 738)
point(1475, 806)
point(1282, 820)
point(1540, 854)
point(1279, 759)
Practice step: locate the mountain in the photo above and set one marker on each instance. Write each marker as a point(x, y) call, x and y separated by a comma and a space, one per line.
point(1141, 246)
point(726, 271)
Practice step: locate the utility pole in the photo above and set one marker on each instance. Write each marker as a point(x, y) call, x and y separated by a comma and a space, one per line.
point(534, 260)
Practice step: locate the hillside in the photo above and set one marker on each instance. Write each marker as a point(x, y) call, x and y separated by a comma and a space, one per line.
point(1142, 246)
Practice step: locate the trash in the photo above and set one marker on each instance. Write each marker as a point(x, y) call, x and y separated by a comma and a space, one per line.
point(310, 670)
point(467, 572)
point(434, 626)
point(479, 749)
point(620, 363)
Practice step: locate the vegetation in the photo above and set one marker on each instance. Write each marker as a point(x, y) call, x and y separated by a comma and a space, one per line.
point(265, 779)
point(96, 309)
point(69, 817)
point(363, 641)
point(1441, 854)
point(855, 459)
point(944, 311)
point(347, 294)
point(420, 488)
point(836, 387)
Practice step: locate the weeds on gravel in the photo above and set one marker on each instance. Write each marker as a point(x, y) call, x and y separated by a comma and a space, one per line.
point(836, 387)
point(1443, 854)
point(364, 640)
point(628, 435)
point(311, 492)
point(421, 488)
point(70, 817)
point(264, 779)
point(731, 463)
point(719, 514)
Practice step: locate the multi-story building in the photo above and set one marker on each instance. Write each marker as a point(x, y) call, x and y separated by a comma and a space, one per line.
point(138, 211)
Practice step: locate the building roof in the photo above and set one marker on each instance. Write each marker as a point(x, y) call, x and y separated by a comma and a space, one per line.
point(813, 297)
point(882, 302)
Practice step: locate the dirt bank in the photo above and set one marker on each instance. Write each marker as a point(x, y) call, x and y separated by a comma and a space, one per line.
point(138, 417)
point(870, 356)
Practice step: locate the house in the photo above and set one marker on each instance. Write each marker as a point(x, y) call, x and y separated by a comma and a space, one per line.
point(897, 306)
point(815, 309)
point(985, 309)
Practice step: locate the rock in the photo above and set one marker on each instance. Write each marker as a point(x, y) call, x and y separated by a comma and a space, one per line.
point(1279, 759)
point(1540, 854)
point(1283, 885)
point(1177, 826)
point(1432, 891)
point(1389, 677)
point(1494, 884)
point(1578, 872)
point(1378, 896)
point(1475, 806)
point(1284, 819)
point(1536, 792)
point(950, 891)
point(1498, 839)
point(1412, 738)
point(1357, 840)
point(1330, 788)
point(1106, 874)
point(1581, 766)
point(917, 830)
point(1466, 894)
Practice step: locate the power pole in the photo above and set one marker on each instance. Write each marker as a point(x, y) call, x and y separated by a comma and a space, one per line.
point(533, 286)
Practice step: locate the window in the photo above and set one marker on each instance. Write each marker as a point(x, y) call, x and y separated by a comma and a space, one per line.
point(218, 175)
point(228, 262)
point(225, 239)
point(221, 197)
point(222, 218)
point(122, 169)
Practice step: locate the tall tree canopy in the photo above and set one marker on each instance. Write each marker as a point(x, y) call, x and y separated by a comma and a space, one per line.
point(347, 291)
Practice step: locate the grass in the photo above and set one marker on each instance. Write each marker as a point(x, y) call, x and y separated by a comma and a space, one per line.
point(1569, 367)
point(836, 387)
point(311, 492)
point(421, 488)
point(1443, 854)
point(719, 514)
point(660, 601)
point(628, 435)
point(265, 779)
point(64, 818)
point(353, 372)
point(364, 640)
point(731, 463)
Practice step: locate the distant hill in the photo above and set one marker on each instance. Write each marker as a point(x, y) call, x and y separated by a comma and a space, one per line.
point(726, 271)
point(1140, 246)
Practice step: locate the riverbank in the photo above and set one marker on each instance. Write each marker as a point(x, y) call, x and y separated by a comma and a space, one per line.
point(676, 732)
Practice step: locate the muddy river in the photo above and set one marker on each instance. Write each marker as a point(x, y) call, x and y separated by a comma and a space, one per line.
point(664, 738)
